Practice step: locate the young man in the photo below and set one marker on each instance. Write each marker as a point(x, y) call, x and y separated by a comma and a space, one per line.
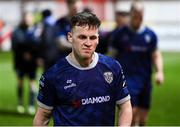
point(136, 48)
point(83, 88)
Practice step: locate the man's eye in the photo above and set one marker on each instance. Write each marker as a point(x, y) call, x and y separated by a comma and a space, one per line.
point(93, 37)
point(82, 37)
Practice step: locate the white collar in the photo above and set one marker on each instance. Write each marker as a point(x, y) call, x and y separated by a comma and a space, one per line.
point(141, 29)
point(78, 66)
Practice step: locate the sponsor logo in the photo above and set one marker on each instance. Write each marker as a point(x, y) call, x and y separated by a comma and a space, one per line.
point(70, 86)
point(76, 103)
point(69, 81)
point(95, 100)
point(108, 76)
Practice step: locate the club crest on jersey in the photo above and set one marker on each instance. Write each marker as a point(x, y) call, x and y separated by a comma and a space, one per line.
point(147, 38)
point(108, 76)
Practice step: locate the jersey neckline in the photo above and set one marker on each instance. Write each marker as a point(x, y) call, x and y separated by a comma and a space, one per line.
point(75, 64)
point(140, 30)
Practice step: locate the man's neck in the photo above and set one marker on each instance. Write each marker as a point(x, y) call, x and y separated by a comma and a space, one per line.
point(81, 62)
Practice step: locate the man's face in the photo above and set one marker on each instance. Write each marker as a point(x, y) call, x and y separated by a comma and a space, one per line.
point(84, 41)
point(136, 18)
point(121, 18)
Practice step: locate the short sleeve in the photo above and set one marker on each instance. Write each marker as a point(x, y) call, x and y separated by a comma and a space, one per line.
point(113, 39)
point(154, 42)
point(122, 93)
point(46, 95)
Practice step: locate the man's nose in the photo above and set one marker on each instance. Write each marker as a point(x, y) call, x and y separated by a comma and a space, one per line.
point(88, 42)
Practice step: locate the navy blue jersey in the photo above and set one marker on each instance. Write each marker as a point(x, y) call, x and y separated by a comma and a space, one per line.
point(24, 42)
point(135, 51)
point(83, 96)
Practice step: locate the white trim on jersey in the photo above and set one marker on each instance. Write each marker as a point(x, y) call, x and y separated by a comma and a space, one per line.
point(123, 100)
point(141, 29)
point(78, 66)
point(40, 104)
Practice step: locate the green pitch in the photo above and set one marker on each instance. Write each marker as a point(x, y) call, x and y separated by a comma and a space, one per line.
point(165, 101)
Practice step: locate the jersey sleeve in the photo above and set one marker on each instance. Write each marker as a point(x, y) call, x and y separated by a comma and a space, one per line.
point(113, 40)
point(154, 42)
point(121, 90)
point(46, 94)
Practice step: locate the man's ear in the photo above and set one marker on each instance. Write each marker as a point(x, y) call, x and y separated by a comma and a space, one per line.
point(69, 37)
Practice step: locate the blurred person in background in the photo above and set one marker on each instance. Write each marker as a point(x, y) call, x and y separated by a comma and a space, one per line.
point(121, 19)
point(48, 50)
point(83, 88)
point(63, 27)
point(24, 48)
point(136, 49)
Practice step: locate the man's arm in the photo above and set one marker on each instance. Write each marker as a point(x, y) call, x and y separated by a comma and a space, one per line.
point(125, 114)
point(158, 62)
point(63, 43)
point(42, 117)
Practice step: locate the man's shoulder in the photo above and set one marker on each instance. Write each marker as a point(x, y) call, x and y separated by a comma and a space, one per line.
point(109, 61)
point(149, 30)
point(62, 20)
point(151, 33)
point(104, 58)
point(57, 68)
point(122, 28)
point(121, 31)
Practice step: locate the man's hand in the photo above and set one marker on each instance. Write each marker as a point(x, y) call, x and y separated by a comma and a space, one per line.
point(159, 77)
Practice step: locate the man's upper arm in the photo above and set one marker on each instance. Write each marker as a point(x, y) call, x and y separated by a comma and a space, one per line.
point(46, 95)
point(121, 90)
point(156, 57)
point(125, 114)
point(125, 104)
point(45, 102)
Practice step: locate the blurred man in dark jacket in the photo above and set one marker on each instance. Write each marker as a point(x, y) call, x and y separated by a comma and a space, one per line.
point(48, 50)
point(63, 27)
point(24, 47)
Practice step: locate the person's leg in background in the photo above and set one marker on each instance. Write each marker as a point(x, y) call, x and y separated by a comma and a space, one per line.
point(20, 84)
point(145, 102)
point(32, 92)
point(143, 116)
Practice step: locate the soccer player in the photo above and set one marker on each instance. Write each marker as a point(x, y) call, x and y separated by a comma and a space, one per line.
point(84, 87)
point(24, 49)
point(136, 49)
point(121, 20)
point(63, 27)
point(48, 50)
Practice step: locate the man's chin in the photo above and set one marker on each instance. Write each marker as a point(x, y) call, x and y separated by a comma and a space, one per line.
point(86, 55)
